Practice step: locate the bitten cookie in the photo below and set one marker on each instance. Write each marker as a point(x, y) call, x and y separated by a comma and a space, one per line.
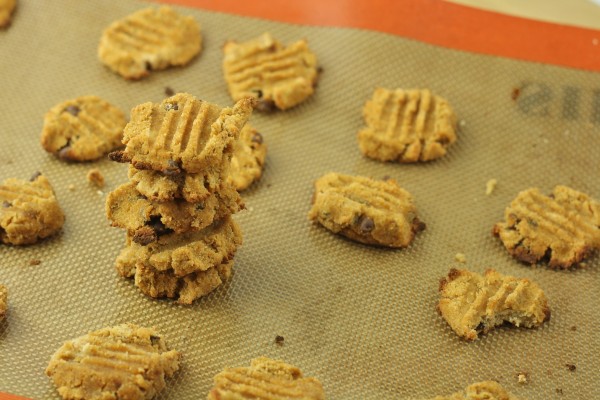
point(82, 129)
point(279, 77)
point(147, 220)
point(365, 210)
point(488, 390)
point(3, 301)
point(182, 133)
point(6, 9)
point(473, 304)
point(185, 253)
point(248, 158)
point(406, 126)
point(265, 379)
point(561, 229)
point(122, 362)
point(29, 211)
point(149, 40)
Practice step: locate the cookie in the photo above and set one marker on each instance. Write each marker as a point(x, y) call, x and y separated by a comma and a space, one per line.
point(248, 158)
point(29, 210)
point(473, 304)
point(365, 210)
point(149, 40)
point(265, 379)
point(193, 188)
point(182, 133)
point(3, 301)
point(83, 129)
point(279, 77)
point(488, 390)
point(406, 126)
point(186, 288)
point(147, 220)
point(6, 9)
point(560, 229)
point(185, 253)
point(122, 362)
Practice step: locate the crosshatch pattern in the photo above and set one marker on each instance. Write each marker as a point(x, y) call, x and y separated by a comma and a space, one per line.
point(359, 318)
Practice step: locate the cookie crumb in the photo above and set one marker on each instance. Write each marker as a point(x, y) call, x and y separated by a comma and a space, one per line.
point(573, 328)
point(571, 367)
point(522, 377)
point(490, 186)
point(460, 257)
point(279, 340)
point(71, 188)
point(559, 391)
point(35, 262)
point(169, 91)
point(95, 177)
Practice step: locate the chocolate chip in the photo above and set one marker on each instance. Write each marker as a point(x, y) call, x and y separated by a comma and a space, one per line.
point(6, 204)
point(158, 227)
point(154, 340)
point(148, 66)
point(144, 236)
point(35, 176)
point(119, 156)
point(171, 106)
point(266, 105)
point(366, 224)
point(257, 138)
point(320, 69)
point(571, 367)
point(73, 110)
point(169, 91)
point(200, 206)
point(172, 168)
point(279, 340)
point(259, 93)
point(417, 225)
point(65, 153)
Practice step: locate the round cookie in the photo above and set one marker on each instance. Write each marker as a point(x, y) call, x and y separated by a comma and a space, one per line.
point(121, 362)
point(406, 126)
point(560, 229)
point(367, 211)
point(265, 379)
point(29, 211)
point(82, 129)
point(279, 77)
point(7, 8)
point(248, 158)
point(149, 40)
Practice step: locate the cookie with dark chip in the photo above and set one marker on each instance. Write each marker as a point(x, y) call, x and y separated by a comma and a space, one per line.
point(560, 229)
point(83, 129)
point(365, 210)
point(248, 158)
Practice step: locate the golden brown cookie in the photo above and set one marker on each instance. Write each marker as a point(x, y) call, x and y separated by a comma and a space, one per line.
point(265, 379)
point(184, 253)
point(122, 362)
point(186, 288)
point(192, 188)
point(182, 133)
point(473, 304)
point(248, 158)
point(29, 211)
point(149, 40)
point(406, 126)
point(279, 77)
point(3, 301)
point(561, 229)
point(82, 129)
point(488, 390)
point(365, 210)
point(6, 9)
point(147, 220)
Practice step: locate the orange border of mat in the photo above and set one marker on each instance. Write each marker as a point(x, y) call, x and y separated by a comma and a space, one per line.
point(7, 396)
point(432, 21)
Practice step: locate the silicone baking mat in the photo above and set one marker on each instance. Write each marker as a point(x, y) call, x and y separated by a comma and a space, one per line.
point(361, 319)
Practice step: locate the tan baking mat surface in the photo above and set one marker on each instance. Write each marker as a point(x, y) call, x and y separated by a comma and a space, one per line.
point(361, 319)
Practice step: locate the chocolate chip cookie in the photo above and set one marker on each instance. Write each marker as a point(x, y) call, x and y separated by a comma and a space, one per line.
point(248, 158)
point(7, 7)
point(265, 379)
point(182, 133)
point(29, 210)
point(473, 304)
point(279, 77)
point(560, 229)
point(406, 126)
point(122, 362)
point(82, 129)
point(365, 210)
point(148, 40)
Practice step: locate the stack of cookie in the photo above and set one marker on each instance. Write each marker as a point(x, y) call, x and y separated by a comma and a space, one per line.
point(177, 206)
